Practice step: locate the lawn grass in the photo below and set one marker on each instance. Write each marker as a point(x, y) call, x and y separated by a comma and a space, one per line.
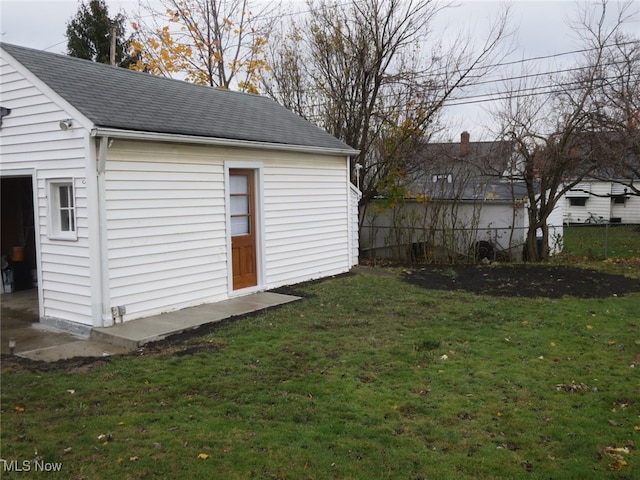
point(366, 378)
point(597, 242)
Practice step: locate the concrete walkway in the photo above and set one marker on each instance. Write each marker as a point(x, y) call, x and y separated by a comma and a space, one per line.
point(19, 319)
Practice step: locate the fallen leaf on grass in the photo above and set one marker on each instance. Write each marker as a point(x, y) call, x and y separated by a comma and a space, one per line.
point(572, 387)
point(105, 439)
point(19, 408)
point(616, 453)
point(615, 466)
point(134, 459)
point(203, 456)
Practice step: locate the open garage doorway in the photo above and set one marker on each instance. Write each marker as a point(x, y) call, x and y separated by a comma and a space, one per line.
point(18, 246)
point(19, 304)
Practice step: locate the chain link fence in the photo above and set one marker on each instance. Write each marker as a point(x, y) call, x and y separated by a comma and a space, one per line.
point(467, 245)
point(601, 241)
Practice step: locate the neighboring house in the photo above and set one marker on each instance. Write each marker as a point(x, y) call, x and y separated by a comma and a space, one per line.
point(609, 194)
point(459, 207)
point(123, 189)
point(598, 201)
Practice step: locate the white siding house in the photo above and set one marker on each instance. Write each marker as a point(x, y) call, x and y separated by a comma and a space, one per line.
point(593, 201)
point(149, 195)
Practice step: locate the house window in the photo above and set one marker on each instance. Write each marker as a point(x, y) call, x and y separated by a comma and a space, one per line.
point(577, 201)
point(62, 210)
point(618, 199)
point(442, 177)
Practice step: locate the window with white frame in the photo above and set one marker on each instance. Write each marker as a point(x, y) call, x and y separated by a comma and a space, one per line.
point(62, 210)
point(442, 177)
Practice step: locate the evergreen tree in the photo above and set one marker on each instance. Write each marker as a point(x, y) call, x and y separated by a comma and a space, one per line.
point(89, 35)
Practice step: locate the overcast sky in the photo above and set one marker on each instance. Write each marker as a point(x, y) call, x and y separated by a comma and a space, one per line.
point(541, 30)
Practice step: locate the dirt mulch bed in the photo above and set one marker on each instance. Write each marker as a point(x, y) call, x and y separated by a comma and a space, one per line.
point(523, 281)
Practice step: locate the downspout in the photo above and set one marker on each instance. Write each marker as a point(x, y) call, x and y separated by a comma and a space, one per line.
point(95, 269)
point(107, 318)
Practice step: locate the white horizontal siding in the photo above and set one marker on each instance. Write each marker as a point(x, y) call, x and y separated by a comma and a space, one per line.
point(629, 211)
point(167, 231)
point(354, 197)
point(600, 206)
point(65, 264)
point(32, 140)
point(306, 219)
point(603, 206)
point(166, 227)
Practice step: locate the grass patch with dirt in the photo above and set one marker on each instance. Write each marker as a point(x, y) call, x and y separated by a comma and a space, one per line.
point(367, 377)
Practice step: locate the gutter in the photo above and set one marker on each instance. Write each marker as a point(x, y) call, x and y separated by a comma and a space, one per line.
point(220, 142)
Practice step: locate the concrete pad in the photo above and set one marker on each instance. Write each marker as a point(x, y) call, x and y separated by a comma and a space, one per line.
point(19, 317)
point(135, 333)
point(77, 348)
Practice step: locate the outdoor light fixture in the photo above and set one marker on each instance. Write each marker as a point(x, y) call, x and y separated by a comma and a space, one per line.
point(12, 345)
point(66, 124)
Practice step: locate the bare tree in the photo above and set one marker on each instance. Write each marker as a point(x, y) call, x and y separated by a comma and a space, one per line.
point(209, 42)
point(618, 100)
point(376, 75)
point(564, 135)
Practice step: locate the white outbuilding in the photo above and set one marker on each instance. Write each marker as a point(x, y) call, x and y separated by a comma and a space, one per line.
point(126, 195)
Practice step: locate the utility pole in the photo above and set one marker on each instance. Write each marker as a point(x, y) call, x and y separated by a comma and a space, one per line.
point(112, 50)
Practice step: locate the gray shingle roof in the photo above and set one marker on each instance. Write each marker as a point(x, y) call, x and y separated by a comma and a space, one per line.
point(113, 97)
point(483, 188)
point(469, 175)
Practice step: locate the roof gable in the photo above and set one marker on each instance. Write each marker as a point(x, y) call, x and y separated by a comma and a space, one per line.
point(113, 97)
point(465, 171)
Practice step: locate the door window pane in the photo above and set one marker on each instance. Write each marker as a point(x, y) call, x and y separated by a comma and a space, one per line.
point(239, 226)
point(238, 184)
point(239, 205)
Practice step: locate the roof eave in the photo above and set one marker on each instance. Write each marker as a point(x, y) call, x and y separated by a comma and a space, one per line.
point(221, 142)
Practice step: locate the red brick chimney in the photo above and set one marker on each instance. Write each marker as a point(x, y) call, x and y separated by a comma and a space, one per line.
point(464, 143)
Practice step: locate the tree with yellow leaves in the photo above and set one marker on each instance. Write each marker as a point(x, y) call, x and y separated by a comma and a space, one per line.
point(208, 42)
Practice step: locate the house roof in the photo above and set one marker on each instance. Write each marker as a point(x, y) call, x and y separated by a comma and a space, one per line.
point(479, 158)
point(485, 189)
point(465, 171)
point(117, 98)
